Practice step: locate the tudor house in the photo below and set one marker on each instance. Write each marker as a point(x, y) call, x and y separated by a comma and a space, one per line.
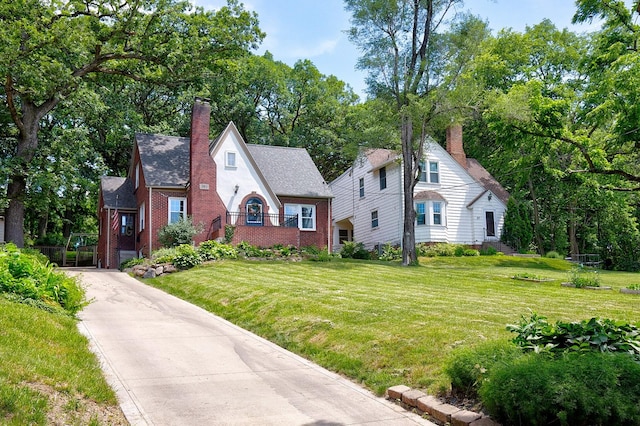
point(456, 199)
point(265, 195)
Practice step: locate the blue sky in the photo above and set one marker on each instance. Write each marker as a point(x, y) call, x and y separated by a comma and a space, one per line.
point(315, 29)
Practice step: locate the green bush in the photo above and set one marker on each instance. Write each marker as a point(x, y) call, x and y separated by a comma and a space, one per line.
point(29, 276)
point(575, 389)
point(390, 252)
point(471, 252)
point(354, 250)
point(213, 250)
point(469, 367)
point(248, 250)
point(164, 255)
point(177, 233)
point(554, 255)
point(489, 251)
point(186, 257)
point(130, 263)
point(595, 335)
point(582, 277)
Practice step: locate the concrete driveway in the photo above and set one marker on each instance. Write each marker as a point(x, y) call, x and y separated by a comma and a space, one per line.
point(172, 363)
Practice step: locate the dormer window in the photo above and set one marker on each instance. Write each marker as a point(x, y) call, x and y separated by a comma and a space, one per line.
point(383, 178)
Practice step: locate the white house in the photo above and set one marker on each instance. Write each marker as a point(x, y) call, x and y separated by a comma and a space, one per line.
point(456, 199)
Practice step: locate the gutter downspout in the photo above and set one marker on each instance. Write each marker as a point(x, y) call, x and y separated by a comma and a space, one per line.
point(150, 227)
point(329, 227)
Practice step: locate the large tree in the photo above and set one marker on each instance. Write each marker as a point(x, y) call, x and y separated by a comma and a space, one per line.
point(50, 50)
point(413, 55)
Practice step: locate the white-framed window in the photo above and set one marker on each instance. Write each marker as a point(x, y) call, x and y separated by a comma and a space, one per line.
point(383, 178)
point(374, 219)
point(306, 214)
point(429, 172)
point(421, 213)
point(230, 159)
point(361, 186)
point(177, 209)
point(137, 175)
point(141, 213)
point(437, 212)
point(434, 172)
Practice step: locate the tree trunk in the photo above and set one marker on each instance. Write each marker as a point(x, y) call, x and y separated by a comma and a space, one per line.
point(536, 218)
point(573, 240)
point(409, 255)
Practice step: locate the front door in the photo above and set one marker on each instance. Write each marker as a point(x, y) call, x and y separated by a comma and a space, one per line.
point(491, 226)
point(127, 234)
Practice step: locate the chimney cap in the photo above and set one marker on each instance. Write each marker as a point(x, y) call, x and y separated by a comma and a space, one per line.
point(203, 100)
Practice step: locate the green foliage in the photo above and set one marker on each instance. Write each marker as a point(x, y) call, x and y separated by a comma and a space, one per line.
point(554, 255)
point(177, 233)
point(390, 252)
point(517, 231)
point(471, 252)
point(30, 276)
point(164, 255)
point(489, 251)
point(186, 257)
point(130, 263)
point(634, 286)
point(580, 277)
point(468, 367)
point(575, 389)
point(229, 230)
point(443, 249)
point(213, 250)
point(354, 250)
point(595, 335)
point(248, 250)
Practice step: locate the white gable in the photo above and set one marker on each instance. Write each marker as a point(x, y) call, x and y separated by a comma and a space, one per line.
point(242, 174)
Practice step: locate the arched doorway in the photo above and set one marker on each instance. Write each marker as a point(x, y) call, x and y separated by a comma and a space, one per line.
point(253, 208)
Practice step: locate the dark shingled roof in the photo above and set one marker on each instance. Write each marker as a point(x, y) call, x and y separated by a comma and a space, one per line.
point(117, 192)
point(290, 171)
point(164, 159)
point(481, 175)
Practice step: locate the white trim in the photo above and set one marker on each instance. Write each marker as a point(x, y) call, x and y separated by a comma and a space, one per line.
point(169, 211)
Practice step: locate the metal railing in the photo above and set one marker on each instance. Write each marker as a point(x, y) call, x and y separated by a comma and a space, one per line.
point(261, 219)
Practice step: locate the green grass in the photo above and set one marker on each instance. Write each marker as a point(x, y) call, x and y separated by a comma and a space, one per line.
point(382, 324)
point(47, 373)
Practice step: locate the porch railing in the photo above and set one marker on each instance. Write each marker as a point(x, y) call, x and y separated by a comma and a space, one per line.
point(261, 219)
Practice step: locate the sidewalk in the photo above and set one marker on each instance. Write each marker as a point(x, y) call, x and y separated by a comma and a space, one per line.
point(172, 363)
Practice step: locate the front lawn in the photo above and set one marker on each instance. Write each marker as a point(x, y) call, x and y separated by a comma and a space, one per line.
point(382, 324)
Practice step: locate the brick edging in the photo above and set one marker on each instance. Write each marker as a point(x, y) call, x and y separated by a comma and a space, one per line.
point(439, 411)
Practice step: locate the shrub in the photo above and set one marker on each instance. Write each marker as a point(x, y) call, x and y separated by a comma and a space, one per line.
point(489, 251)
point(471, 252)
point(249, 250)
point(29, 276)
point(354, 250)
point(469, 367)
point(582, 277)
point(554, 255)
point(130, 263)
point(177, 233)
point(164, 255)
point(440, 249)
point(575, 389)
point(213, 250)
point(597, 335)
point(390, 252)
point(186, 257)
point(634, 286)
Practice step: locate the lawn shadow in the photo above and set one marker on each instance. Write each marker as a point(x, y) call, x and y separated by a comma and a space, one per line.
point(533, 263)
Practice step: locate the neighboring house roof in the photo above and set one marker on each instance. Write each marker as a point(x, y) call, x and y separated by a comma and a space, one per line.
point(117, 192)
point(164, 159)
point(290, 171)
point(481, 175)
point(429, 195)
point(380, 157)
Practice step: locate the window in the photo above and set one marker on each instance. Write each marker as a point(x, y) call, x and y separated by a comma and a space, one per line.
point(230, 159)
point(305, 213)
point(437, 213)
point(383, 178)
point(361, 183)
point(421, 216)
point(137, 175)
point(141, 217)
point(434, 176)
point(344, 235)
point(177, 209)
point(254, 212)
point(491, 224)
point(374, 219)
point(423, 171)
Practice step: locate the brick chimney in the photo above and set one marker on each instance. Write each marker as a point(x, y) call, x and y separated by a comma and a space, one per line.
point(454, 144)
point(201, 198)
